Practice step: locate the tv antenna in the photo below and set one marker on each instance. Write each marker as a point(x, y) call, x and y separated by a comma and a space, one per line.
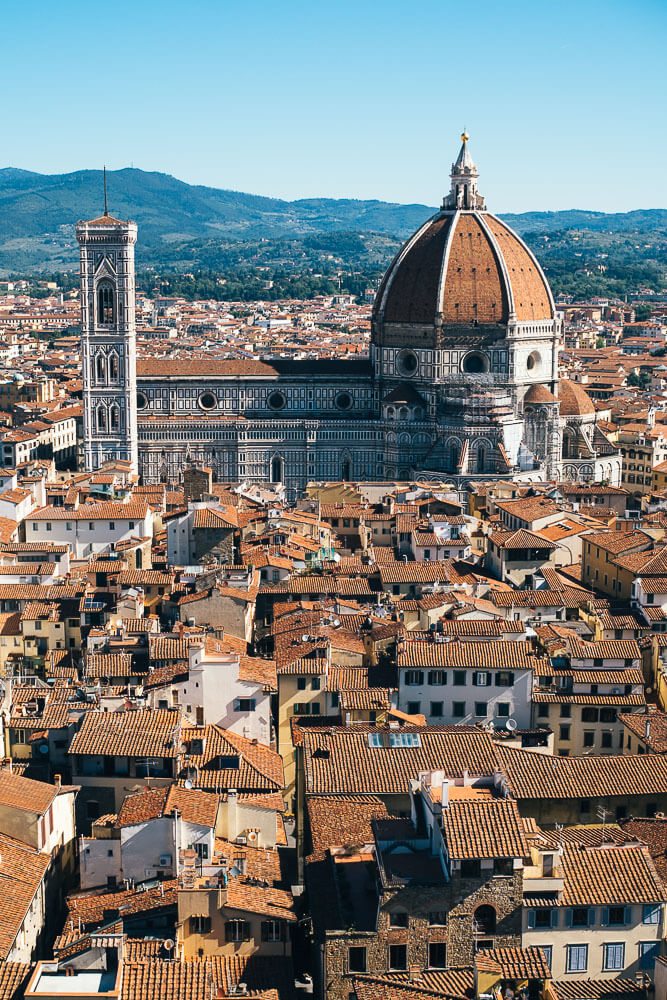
point(559, 831)
point(602, 814)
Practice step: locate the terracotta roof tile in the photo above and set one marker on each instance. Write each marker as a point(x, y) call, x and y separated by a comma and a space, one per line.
point(142, 733)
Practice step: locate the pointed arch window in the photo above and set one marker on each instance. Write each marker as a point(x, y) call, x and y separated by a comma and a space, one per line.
point(101, 418)
point(276, 469)
point(481, 459)
point(345, 472)
point(114, 418)
point(113, 367)
point(101, 368)
point(105, 302)
point(454, 457)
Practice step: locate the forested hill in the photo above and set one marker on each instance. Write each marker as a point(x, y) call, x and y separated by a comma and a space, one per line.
point(185, 227)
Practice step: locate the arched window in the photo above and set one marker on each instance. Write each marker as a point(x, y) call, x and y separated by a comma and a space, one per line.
point(454, 456)
point(113, 367)
point(484, 920)
point(403, 413)
point(105, 302)
point(276, 469)
point(481, 459)
point(345, 473)
point(101, 418)
point(101, 368)
point(114, 418)
point(566, 446)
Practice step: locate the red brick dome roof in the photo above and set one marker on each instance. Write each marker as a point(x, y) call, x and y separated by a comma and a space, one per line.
point(539, 394)
point(574, 400)
point(464, 268)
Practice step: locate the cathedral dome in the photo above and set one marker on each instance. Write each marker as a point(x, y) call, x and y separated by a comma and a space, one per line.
point(539, 393)
point(464, 267)
point(574, 400)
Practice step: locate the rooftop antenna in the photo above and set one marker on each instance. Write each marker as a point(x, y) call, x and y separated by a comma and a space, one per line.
point(602, 814)
point(559, 831)
point(106, 208)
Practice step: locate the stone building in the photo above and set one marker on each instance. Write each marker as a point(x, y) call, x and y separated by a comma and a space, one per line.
point(393, 894)
point(461, 381)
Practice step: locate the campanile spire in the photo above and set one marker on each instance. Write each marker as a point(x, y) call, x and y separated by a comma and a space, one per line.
point(463, 193)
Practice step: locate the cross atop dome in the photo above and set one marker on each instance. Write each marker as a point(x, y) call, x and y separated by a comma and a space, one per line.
point(463, 193)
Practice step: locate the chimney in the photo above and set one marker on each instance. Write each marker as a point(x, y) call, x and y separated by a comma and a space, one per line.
point(232, 814)
point(57, 780)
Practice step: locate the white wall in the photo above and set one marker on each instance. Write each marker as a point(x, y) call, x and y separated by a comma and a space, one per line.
point(213, 685)
point(84, 536)
point(98, 858)
point(518, 696)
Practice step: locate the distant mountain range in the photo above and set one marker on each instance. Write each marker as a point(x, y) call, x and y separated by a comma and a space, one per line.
point(38, 212)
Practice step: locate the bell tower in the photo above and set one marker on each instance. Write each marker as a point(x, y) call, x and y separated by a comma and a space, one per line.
point(108, 339)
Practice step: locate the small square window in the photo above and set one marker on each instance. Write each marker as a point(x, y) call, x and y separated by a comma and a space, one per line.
point(437, 955)
point(398, 956)
point(458, 709)
point(356, 959)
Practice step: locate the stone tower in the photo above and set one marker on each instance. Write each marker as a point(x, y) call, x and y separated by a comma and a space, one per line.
point(108, 340)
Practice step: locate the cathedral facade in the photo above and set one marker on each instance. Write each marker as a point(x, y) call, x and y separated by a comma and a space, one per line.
point(461, 382)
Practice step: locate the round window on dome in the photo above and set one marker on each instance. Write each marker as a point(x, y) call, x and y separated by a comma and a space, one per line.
point(142, 400)
point(207, 401)
point(475, 363)
point(407, 363)
point(277, 401)
point(343, 401)
point(533, 360)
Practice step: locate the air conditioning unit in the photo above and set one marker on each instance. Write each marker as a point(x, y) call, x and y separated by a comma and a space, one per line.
point(242, 840)
point(165, 861)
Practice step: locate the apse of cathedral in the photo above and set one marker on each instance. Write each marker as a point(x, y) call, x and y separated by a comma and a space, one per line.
point(461, 382)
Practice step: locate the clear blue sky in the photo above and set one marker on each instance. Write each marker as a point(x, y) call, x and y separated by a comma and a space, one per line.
point(564, 99)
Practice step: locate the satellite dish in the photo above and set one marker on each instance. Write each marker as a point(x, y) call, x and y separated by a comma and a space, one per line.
point(188, 783)
point(44, 748)
point(511, 725)
point(168, 945)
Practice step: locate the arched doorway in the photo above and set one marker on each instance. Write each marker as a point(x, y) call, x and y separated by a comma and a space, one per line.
point(484, 920)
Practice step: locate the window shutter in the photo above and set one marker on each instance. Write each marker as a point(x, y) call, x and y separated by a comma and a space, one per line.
point(627, 916)
point(568, 918)
point(246, 930)
point(489, 678)
point(554, 917)
point(605, 916)
point(591, 916)
point(531, 919)
point(474, 678)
